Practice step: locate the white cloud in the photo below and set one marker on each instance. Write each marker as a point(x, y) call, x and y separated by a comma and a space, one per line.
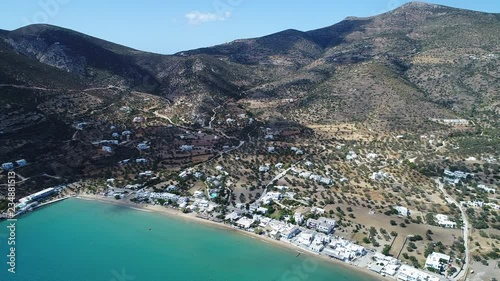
point(196, 17)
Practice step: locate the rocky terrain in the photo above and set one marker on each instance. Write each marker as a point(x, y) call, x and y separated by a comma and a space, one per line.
point(382, 106)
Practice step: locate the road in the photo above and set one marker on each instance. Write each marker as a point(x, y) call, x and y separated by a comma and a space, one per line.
point(462, 273)
point(278, 177)
point(56, 89)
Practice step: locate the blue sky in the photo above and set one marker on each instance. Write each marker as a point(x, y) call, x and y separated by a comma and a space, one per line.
point(169, 26)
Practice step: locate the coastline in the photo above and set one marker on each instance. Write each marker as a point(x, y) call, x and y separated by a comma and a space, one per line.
point(178, 214)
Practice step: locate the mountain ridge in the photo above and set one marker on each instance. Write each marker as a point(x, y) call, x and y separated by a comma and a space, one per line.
point(392, 71)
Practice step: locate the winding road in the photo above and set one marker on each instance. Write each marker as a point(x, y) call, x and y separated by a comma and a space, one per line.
point(466, 228)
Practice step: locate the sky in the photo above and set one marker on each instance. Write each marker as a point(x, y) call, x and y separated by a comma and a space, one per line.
point(170, 26)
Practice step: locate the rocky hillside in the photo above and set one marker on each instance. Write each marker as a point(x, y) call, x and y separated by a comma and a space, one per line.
point(418, 61)
point(393, 71)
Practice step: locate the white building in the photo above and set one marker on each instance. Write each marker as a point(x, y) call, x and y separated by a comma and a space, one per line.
point(262, 210)
point(38, 195)
point(298, 217)
point(325, 180)
point(21, 163)
point(408, 273)
point(444, 221)
point(245, 222)
point(289, 232)
point(198, 194)
point(232, 216)
point(487, 189)
point(143, 146)
point(107, 149)
point(322, 224)
point(379, 175)
point(264, 168)
point(325, 228)
point(317, 210)
point(351, 156)
point(305, 174)
point(437, 261)
point(271, 196)
point(8, 166)
point(185, 147)
point(305, 238)
point(402, 211)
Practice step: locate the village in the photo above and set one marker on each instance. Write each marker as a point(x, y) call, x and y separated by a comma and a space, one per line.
point(346, 193)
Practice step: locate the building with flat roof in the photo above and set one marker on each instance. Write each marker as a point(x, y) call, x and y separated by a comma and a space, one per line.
point(444, 221)
point(38, 195)
point(8, 166)
point(408, 273)
point(437, 261)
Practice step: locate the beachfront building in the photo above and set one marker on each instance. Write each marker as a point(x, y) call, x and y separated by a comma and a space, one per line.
point(289, 232)
point(384, 264)
point(232, 216)
point(38, 195)
point(343, 249)
point(245, 222)
point(408, 273)
point(305, 238)
point(437, 261)
point(316, 246)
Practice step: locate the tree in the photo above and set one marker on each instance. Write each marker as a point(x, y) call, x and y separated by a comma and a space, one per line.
point(393, 222)
point(386, 250)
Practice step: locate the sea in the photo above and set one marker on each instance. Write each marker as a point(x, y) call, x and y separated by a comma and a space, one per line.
point(81, 240)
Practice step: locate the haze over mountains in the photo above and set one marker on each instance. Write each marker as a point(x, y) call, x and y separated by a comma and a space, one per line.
point(393, 71)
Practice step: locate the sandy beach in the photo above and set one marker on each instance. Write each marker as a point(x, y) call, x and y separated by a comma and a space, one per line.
point(191, 216)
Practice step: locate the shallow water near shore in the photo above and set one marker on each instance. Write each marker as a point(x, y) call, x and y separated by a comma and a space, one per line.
point(78, 240)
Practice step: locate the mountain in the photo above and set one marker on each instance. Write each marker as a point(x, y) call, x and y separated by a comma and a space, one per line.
point(390, 72)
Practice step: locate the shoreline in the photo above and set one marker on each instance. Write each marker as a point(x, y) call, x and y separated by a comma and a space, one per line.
point(178, 214)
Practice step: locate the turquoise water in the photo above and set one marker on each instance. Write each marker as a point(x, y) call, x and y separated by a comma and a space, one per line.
point(77, 240)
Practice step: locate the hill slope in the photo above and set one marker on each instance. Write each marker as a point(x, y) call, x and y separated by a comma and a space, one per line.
point(393, 71)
